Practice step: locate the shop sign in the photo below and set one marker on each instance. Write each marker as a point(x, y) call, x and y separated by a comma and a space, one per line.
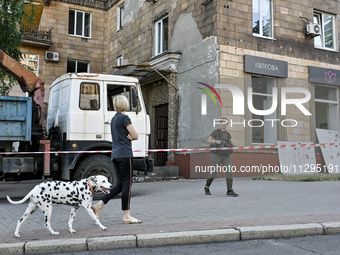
point(265, 66)
point(324, 76)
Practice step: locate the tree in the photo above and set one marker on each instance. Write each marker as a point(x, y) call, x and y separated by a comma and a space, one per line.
point(12, 12)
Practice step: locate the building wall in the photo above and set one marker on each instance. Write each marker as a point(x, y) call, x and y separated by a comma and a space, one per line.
point(235, 28)
point(199, 63)
point(192, 29)
point(213, 39)
point(69, 47)
point(234, 34)
point(135, 41)
point(224, 28)
point(72, 47)
point(232, 72)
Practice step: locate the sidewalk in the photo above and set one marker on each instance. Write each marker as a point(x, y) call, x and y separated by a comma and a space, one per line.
point(264, 209)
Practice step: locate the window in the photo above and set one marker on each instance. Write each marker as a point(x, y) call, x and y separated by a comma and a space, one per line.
point(120, 17)
point(89, 96)
point(128, 91)
point(75, 66)
point(161, 35)
point(263, 130)
point(31, 61)
point(327, 39)
point(263, 18)
point(119, 60)
point(79, 23)
point(326, 107)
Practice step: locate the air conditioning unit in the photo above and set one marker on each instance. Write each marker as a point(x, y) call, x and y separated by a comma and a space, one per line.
point(313, 29)
point(52, 56)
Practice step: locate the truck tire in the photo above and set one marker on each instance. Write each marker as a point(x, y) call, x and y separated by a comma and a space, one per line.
point(96, 165)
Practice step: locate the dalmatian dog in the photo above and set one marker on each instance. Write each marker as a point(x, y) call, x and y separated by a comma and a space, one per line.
point(75, 194)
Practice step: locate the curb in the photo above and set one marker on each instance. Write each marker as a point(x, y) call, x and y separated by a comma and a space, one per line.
point(59, 245)
point(280, 231)
point(12, 248)
point(111, 242)
point(188, 237)
point(173, 238)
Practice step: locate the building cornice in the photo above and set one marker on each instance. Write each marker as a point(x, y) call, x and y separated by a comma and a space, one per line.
point(111, 3)
point(168, 61)
point(97, 4)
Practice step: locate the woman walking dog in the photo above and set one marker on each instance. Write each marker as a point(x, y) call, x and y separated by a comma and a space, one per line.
point(123, 133)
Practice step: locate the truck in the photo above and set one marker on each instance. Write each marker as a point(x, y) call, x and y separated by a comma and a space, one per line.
point(74, 140)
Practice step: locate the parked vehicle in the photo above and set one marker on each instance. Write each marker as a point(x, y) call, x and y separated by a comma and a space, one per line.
point(79, 114)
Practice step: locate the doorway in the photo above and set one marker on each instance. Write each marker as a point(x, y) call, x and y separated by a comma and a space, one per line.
point(161, 138)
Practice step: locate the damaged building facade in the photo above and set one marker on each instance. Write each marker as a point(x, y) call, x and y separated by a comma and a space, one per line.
point(266, 54)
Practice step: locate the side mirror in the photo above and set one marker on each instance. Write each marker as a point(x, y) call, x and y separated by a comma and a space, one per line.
point(134, 97)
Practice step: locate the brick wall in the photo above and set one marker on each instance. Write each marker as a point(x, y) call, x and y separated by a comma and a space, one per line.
point(69, 47)
point(232, 72)
point(246, 163)
point(234, 28)
point(135, 41)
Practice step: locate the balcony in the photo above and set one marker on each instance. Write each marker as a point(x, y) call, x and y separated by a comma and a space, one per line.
point(40, 37)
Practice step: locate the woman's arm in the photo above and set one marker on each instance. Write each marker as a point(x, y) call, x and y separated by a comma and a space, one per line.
point(133, 133)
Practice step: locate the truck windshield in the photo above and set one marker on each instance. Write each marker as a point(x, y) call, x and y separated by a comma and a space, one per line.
point(115, 90)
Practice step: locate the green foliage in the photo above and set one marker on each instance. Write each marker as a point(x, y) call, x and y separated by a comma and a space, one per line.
point(11, 15)
point(6, 83)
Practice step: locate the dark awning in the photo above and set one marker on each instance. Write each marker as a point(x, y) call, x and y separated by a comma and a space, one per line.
point(141, 72)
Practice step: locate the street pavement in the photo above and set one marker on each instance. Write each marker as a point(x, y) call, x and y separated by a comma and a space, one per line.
point(178, 212)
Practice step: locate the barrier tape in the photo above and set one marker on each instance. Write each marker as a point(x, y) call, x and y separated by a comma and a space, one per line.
point(182, 150)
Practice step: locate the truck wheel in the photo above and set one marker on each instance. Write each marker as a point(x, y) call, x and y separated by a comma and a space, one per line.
point(96, 165)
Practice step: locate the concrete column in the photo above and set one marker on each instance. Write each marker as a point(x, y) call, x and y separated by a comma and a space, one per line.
point(172, 116)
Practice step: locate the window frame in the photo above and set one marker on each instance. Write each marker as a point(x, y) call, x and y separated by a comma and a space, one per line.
point(22, 60)
point(335, 103)
point(120, 60)
point(160, 47)
point(83, 98)
point(319, 18)
point(113, 90)
point(76, 65)
point(120, 16)
point(260, 34)
point(263, 118)
point(83, 24)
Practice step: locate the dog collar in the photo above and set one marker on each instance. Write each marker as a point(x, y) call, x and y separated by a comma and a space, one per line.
point(90, 186)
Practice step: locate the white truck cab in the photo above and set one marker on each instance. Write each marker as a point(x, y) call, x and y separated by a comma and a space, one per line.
point(79, 116)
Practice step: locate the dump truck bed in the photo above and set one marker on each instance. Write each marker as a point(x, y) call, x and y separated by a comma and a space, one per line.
point(15, 118)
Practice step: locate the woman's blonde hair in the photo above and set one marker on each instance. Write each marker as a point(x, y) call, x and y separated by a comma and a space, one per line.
point(121, 103)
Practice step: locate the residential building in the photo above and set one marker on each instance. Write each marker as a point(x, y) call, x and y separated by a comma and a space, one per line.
point(268, 50)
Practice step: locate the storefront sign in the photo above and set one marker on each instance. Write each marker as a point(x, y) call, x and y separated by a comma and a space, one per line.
point(265, 66)
point(324, 76)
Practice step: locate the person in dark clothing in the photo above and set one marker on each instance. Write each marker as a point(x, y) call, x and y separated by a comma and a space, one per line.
point(217, 136)
point(123, 133)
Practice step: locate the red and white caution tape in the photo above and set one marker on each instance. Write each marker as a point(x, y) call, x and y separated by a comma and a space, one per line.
point(299, 145)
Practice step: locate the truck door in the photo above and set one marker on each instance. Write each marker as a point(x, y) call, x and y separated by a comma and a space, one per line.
point(86, 121)
point(136, 113)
